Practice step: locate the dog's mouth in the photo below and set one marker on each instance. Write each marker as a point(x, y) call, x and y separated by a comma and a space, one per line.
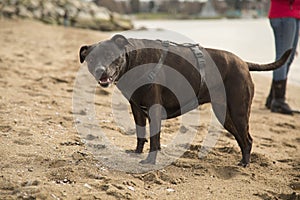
point(105, 81)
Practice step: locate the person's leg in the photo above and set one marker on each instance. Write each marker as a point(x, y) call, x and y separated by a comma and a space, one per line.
point(286, 36)
point(295, 44)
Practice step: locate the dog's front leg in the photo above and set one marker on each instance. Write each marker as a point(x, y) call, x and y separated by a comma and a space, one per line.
point(155, 127)
point(140, 124)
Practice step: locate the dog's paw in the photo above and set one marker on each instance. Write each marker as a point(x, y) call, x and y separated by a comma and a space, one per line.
point(132, 151)
point(151, 158)
point(243, 163)
point(148, 161)
point(139, 151)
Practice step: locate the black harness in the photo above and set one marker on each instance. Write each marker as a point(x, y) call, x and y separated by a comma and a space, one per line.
point(195, 48)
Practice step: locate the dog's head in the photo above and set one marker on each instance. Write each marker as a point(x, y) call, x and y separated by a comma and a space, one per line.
point(105, 59)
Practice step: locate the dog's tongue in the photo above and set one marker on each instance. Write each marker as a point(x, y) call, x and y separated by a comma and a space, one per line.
point(104, 82)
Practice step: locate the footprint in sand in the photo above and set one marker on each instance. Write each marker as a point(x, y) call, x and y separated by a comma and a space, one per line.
point(260, 159)
point(227, 172)
point(5, 128)
point(286, 125)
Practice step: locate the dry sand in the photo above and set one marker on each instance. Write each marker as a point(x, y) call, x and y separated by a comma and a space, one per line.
point(42, 156)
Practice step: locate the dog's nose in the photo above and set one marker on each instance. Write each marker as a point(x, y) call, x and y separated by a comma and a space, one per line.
point(99, 72)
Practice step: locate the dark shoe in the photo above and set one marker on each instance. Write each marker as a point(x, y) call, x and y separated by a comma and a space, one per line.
point(280, 106)
point(278, 103)
point(269, 98)
point(268, 102)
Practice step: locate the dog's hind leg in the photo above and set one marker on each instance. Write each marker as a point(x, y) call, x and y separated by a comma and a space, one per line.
point(140, 124)
point(237, 121)
point(240, 130)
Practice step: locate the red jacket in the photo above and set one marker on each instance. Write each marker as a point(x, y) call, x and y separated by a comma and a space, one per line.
point(284, 8)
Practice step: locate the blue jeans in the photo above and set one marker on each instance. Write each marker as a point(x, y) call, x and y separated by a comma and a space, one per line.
point(286, 33)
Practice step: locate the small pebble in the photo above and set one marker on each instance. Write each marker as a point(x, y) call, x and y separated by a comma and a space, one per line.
point(170, 190)
point(130, 188)
point(87, 186)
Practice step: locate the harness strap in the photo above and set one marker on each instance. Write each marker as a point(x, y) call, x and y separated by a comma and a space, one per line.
point(154, 72)
point(200, 61)
point(195, 48)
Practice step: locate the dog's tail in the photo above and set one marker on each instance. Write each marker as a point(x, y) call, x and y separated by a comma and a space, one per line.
point(270, 66)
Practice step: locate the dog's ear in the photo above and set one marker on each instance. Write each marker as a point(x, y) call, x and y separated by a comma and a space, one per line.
point(120, 41)
point(83, 53)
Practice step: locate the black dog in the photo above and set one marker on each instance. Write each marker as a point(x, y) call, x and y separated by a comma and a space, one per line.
point(110, 60)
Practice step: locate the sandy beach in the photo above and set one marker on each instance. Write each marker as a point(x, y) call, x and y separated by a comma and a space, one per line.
point(43, 157)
